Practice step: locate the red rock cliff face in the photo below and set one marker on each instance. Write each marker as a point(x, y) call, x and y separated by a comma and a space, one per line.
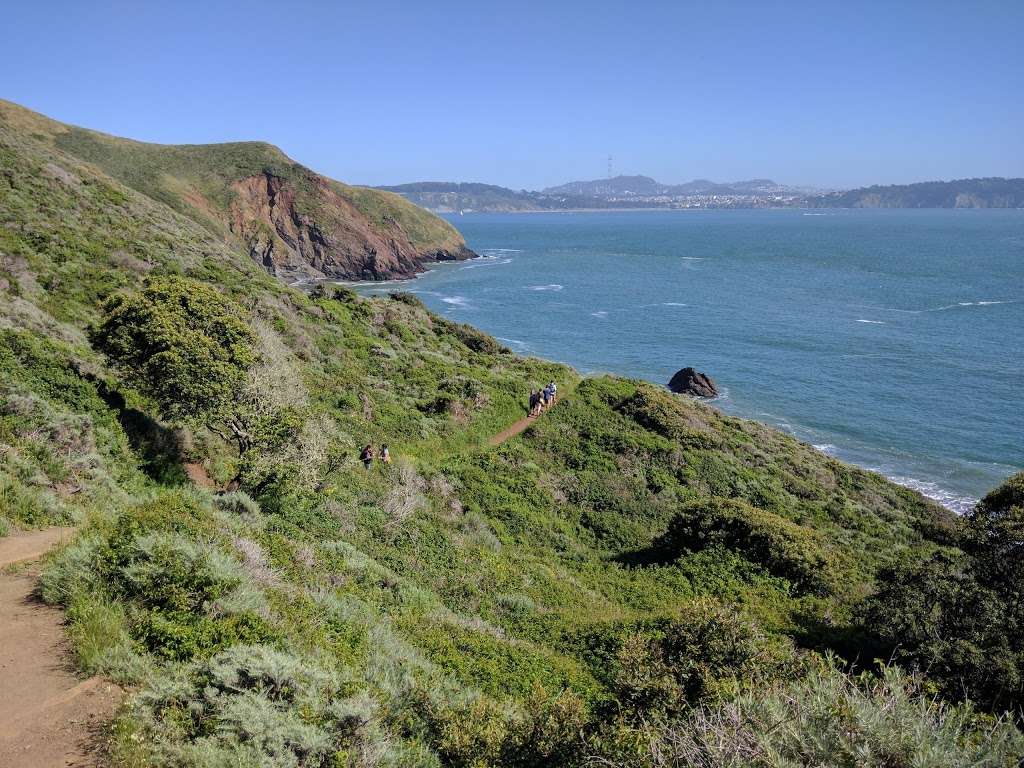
point(314, 232)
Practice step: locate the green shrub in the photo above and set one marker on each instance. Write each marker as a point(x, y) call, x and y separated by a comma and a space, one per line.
point(826, 719)
point(237, 503)
point(470, 337)
point(409, 299)
point(779, 545)
point(706, 652)
point(253, 705)
point(183, 342)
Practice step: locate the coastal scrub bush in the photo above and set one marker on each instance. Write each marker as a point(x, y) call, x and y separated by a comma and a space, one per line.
point(252, 705)
point(181, 341)
point(702, 654)
point(958, 615)
point(780, 546)
point(470, 337)
point(827, 718)
point(237, 503)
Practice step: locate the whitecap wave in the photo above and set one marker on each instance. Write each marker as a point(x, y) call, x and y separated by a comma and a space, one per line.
point(513, 342)
point(827, 448)
point(873, 322)
point(943, 308)
point(501, 250)
point(549, 287)
point(953, 501)
point(487, 261)
point(983, 303)
point(600, 313)
point(673, 304)
point(457, 301)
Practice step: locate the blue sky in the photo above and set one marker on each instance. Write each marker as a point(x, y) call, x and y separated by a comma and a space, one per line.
point(531, 94)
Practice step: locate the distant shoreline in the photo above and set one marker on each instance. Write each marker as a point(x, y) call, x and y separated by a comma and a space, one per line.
point(705, 210)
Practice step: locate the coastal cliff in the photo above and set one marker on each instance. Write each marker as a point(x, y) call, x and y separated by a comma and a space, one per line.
point(295, 223)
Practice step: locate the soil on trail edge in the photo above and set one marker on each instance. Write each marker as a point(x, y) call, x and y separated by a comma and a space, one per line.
point(48, 716)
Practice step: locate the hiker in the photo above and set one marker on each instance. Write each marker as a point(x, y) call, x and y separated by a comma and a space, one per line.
point(553, 392)
point(534, 400)
point(366, 456)
point(385, 454)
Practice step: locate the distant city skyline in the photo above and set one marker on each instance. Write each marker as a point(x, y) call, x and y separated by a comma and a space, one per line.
point(829, 95)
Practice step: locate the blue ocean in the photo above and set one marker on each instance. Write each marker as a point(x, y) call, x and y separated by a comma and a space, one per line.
point(892, 339)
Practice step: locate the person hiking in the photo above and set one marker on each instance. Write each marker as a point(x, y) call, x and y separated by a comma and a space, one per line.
point(544, 399)
point(366, 456)
point(385, 454)
point(534, 400)
point(552, 392)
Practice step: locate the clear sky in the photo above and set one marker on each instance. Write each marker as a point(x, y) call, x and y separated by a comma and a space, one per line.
point(532, 94)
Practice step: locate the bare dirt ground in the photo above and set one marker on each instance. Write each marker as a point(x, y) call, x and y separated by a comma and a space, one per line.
point(48, 715)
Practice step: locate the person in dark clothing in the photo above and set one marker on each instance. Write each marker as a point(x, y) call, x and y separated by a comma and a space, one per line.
point(366, 456)
point(534, 399)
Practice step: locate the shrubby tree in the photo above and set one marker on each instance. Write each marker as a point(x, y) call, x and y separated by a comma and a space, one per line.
point(960, 613)
point(185, 345)
point(192, 350)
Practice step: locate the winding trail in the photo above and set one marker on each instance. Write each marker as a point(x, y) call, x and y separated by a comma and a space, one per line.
point(48, 716)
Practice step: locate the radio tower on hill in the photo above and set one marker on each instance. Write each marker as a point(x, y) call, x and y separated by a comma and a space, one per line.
point(609, 166)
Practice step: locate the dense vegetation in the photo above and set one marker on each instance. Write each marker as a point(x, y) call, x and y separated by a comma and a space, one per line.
point(637, 580)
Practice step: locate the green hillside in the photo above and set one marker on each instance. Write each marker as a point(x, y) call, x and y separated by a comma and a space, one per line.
point(636, 580)
point(207, 182)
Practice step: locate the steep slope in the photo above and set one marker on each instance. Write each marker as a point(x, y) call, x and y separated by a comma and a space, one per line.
point(294, 222)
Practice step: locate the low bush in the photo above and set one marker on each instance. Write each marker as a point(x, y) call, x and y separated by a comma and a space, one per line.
point(826, 719)
point(782, 547)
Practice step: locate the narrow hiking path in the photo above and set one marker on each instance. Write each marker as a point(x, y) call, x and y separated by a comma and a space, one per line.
point(524, 423)
point(48, 716)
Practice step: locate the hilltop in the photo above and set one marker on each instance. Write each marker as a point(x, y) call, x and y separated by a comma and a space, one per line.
point(637, 579)
point(250, 195)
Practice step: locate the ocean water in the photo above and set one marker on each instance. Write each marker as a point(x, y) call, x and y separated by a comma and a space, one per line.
point(893, 339)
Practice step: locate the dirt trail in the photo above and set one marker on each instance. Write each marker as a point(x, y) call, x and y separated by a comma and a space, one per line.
point(199, 476)
point(524, 423)
point(48, 716)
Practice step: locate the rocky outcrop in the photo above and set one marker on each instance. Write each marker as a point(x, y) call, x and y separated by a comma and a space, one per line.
point(315, 232)
point(692, 382)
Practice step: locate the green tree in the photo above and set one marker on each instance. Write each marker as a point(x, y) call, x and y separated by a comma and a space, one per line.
point(185, 345)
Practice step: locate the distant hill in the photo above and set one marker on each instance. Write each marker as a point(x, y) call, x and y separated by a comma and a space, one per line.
point(991, 192)
point(454, 197)
point(624, 192)
point(289, 219)
point(645, 186)
point(619, 185)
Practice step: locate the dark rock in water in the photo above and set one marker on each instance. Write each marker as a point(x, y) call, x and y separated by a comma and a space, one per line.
point(691, 382)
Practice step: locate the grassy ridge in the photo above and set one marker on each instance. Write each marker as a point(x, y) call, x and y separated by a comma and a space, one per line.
point(196, 179)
